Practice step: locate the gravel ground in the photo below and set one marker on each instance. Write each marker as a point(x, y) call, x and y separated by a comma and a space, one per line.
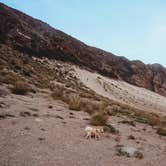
point(52, 135)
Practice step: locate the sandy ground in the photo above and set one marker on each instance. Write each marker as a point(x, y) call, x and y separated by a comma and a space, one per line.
point(52, 135)
point(123, 92)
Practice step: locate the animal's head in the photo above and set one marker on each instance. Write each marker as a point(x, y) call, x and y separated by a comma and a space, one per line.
point(100, 130)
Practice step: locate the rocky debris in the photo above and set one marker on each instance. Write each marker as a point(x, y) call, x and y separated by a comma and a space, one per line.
point(6, 115)
point(35, 115)
point(25, 114)
point(39, 39)
point(117, 137)
point(27, 128)
point(3, 93)
point(38, 120)
point(41, 139)
point(131, 123)
point(59, 117)
point(2, 105)
point(86, 118)
point(131, 137)
point(128, 151)
point(34, 109)
point(72, 117)
point(42, 129)
point(50, 106)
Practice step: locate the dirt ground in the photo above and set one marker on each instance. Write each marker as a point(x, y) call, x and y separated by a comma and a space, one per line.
point(39, 131)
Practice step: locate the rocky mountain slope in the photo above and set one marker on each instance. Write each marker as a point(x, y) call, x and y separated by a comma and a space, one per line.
point(52, 86)
point(36, 38)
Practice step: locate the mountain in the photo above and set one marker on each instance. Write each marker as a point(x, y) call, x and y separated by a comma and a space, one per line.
point(36, 38)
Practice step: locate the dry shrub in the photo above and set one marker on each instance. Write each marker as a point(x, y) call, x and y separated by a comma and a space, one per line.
point(115, 108)
point(162, 127)
point(58, 92)
point(20, 88)
point(99, 119)
point(74, 102)
point(9, 77)
point(87, 106)
point(161, 130)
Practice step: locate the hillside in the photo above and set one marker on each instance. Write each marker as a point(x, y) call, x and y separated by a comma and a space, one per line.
point(53, 86)
point(36, 38)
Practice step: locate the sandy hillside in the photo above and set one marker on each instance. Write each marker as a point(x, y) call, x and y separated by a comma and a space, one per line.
point(37, 130)
point(123, 92)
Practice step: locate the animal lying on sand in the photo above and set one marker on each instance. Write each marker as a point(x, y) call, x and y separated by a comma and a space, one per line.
point(93, 132)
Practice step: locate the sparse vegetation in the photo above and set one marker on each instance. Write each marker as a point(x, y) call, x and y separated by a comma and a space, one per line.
point(99, 119)
point(20, 88)
point(161, 131)
point(74, 102)
point(58, 92)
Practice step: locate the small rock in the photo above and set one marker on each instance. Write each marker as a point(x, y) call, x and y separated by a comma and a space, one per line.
point(131, 137)
point(50, 106)
point(2, 116)
point(72, 117)
point(38, 120)
point(25, 114)
point(27, 128)
point(128, 151)
point(86, 119)
point(34, 109)
point(144, 129)
point(35, 115)
point(41, 139)
point(59, 117)
point(43, 129)
point(131, 123)
point(71, 113)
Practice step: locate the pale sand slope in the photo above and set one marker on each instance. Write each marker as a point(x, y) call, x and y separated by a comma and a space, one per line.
point(56, 136)
point(123, 92)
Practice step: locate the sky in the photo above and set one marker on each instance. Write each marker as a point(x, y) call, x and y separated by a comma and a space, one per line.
point(135, 29)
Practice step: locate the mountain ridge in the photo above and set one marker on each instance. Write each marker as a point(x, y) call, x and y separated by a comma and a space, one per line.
point(36, 38)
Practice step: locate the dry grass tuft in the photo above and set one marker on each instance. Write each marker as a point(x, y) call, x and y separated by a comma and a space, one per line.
point(58, 92)
point(99, 119)
point(74, 102)
point(20, 88)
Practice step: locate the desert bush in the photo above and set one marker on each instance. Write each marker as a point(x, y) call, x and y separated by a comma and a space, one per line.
point(162, 127)
point(20, 88)
point(74, 102)
point(9, 77)
point(99, 119)
point(58, 92)
point(87, 105)
point(115, 108)
point(161, 130)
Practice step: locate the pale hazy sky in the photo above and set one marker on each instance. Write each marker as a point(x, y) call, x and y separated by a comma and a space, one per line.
point(135, 29)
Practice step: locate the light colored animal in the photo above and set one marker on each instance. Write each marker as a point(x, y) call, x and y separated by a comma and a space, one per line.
point(93, 132)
